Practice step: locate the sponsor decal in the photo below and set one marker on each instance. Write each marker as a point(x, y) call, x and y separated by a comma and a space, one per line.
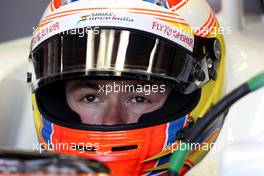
point(40, 33)
point(164, 27)
point(170, 32)
point(106, 17)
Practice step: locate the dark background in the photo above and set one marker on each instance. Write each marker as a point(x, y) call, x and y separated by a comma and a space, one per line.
point(17, 17)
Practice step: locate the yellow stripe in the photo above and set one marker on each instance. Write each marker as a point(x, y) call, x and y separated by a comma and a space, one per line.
point(159, 155)
point(161, 167)
point(37, 119)
point(197, 155)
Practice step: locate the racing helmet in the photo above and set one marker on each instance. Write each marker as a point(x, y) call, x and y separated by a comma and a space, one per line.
point(172, 42)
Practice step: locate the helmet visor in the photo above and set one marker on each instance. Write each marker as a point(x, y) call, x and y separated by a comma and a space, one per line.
point(117, 53)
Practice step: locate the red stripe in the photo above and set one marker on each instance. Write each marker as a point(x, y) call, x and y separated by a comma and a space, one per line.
point(186, 123)
point(75, 10)
point(189, 163)
point(183, 4)
point(159, 11)
point(51, 7)
point(205, 24)
point(173, 3)
point(56, 3)
point(56, 17)
point(184, 170)
point(87, 9)
point(211, 28)
point(147, 13)
point(165, 16)
point(40, 130)
point(206, 31)
point(42, 25)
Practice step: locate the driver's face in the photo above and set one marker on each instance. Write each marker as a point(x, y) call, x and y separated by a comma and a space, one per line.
point(97, 107)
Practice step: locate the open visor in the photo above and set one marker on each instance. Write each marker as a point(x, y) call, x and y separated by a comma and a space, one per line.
point(107, 52)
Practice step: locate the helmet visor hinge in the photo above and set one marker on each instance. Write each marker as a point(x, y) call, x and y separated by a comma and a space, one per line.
point(211, 68)
point(201, 73)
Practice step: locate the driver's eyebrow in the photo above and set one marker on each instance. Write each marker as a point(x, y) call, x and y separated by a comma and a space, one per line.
point(83, 84)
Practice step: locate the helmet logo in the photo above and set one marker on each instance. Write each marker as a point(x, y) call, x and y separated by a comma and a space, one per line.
point(105, 17)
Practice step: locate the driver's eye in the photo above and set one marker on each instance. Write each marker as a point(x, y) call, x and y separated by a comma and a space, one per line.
point(90, 99)
point(139, 99)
